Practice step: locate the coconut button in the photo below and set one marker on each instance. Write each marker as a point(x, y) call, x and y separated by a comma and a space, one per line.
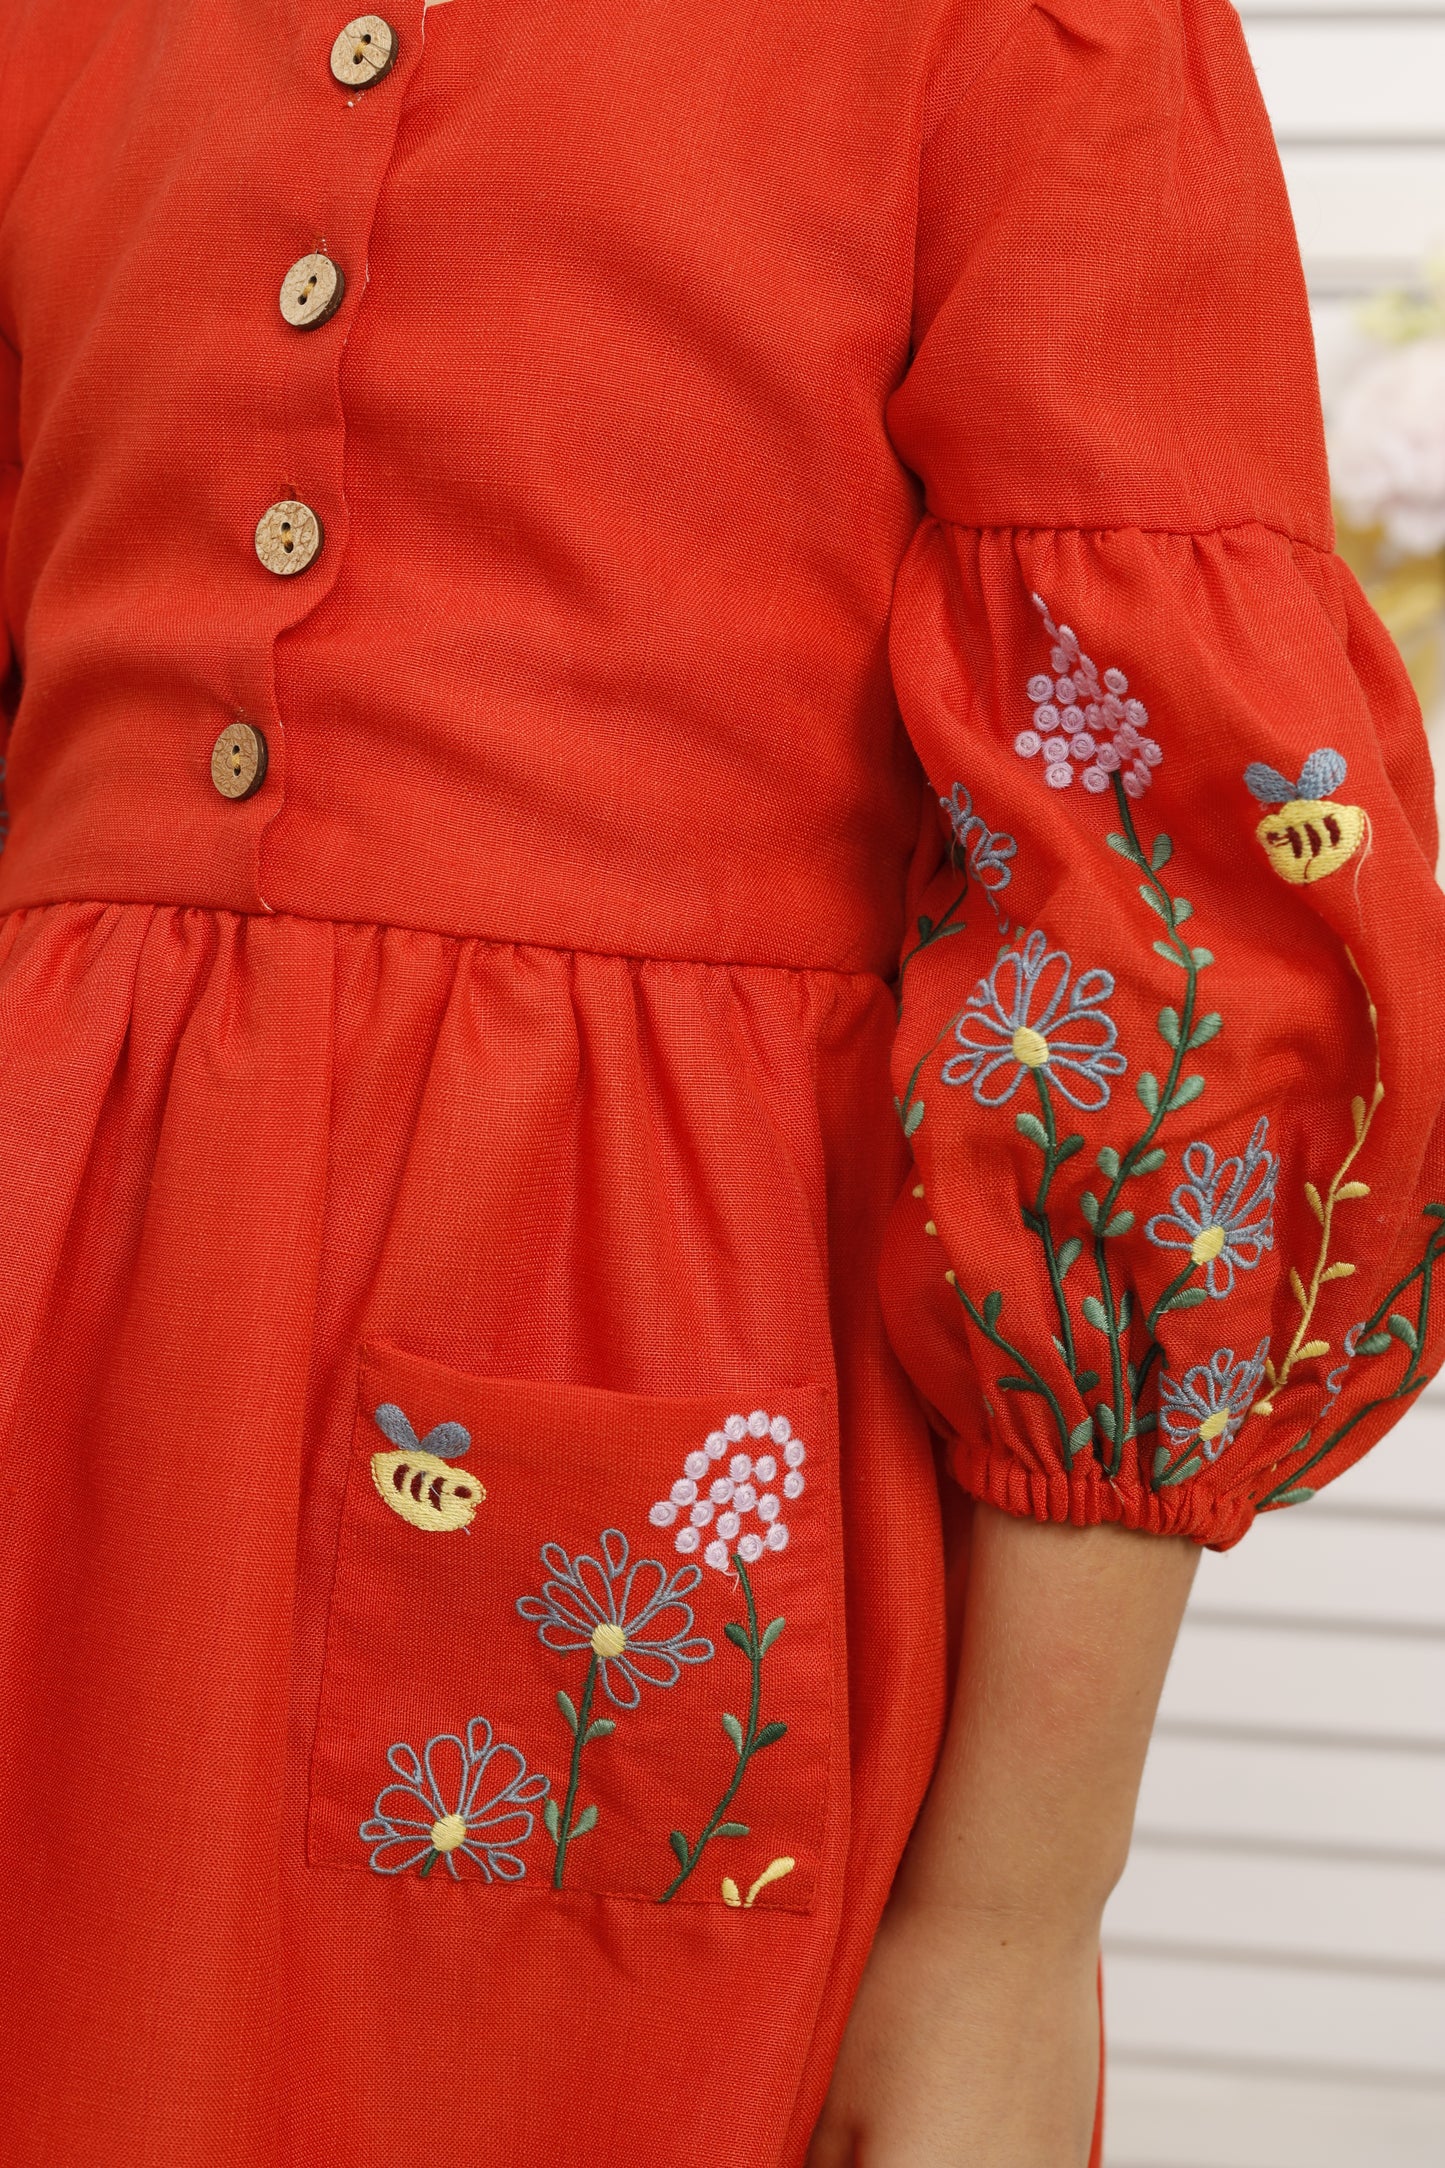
point(363, 52)
point(238, 761)
point(311, 292)
point(288, 536)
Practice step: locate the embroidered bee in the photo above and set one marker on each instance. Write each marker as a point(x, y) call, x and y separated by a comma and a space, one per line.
point(1309, 837)
point(415, 1480)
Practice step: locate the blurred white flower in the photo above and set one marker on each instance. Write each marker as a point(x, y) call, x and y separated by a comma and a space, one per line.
point(1387, 447)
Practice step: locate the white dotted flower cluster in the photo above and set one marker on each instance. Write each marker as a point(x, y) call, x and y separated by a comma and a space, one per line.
point(707, 1497)
point(1079, 722)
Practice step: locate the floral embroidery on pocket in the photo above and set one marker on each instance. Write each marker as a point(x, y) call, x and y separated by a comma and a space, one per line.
point(638, 1631)
point(466, 1799)
point(416, 1481)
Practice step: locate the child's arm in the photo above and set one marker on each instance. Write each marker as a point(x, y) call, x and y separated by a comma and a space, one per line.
point(974, 2038)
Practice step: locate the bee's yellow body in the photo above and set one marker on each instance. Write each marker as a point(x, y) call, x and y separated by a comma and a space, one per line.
point(1310, 838)
point(425, 1490)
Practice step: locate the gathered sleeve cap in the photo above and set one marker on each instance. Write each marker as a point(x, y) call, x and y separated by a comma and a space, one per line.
point(1170, 1050)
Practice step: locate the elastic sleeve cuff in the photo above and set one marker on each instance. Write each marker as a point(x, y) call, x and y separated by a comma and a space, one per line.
point(1086, 1497)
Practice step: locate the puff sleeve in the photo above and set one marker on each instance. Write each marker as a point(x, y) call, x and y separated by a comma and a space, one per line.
point(1170, 1053)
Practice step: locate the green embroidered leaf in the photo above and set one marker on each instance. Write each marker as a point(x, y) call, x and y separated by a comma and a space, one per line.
point(992, 1304)
point(1119, 1225)
point(1028, 1125)
point(925, 928)
point(1146, 1085)
point(602, 1728)
point(1131, 1372)
point(738, 1635)
point(1149, 1162)
point(585, 1821)
point(679, 1844)
point(1086, 1380)
point(1032, 1221)
point(569, 1713)
point(1067, 1150)
point(1208, 1027)
point(552, 1820)
point(770, 1634)
point(1068, 1252)
point(1295, 1497)
point(912, 1118)
point(769, 1736)
point(1171, 955)
point(1107, 1162)
point(1188, 1091)
point(1374, 1343)
point(732, 1829)
point(1162, 1481)
point(734, 1730)
point(1123, 847)
point(1017, 1385)
point(1434, 1211)
point(1188, 1298)
point(1080, 1435)
point(1089, 1206)
point(1094, 1311)
point(1126, 1305)
point(1183, 909)
point(1169, 1026)
point(1200, 957)
point(1143, 1424)
point(1104, 1417)
point(1402, 1330)
point(1155, 901)
point(1161, 854)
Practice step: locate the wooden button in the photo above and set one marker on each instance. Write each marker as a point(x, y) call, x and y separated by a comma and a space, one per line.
point(238, 761)
point(288, 536)
point(364, 52)
point(311, 292)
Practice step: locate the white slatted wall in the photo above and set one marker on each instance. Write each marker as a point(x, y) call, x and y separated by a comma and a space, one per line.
point(1275, 1956)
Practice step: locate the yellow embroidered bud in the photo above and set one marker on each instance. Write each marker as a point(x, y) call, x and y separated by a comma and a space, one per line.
point(1030, 1047)
point(1207, 1245)
point(608, 1640)
point(1214, 1425)
point(448, 1833)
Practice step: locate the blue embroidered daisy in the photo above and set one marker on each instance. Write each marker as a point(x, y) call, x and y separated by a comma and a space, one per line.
point(1224, 1213)
point(1207, 1405)
point(632, 1619)
point(987, 850)
point(458, 1799)
point(1026, 1015)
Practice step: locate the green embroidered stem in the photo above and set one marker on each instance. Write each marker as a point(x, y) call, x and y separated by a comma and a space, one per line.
point(910, 1112)
point(747, 1743)
point(566, 1828)
point(1411, 1381)
point(939, 929)
point(1030, 1382)
point(1038, 1220)
point(1157, 1102)
point(1165, 1302)
point(430, 1861)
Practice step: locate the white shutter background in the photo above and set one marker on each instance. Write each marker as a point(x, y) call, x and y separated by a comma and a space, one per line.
point(1275, 1955)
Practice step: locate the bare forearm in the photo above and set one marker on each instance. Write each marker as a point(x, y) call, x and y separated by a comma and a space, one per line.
point(1068, 1634)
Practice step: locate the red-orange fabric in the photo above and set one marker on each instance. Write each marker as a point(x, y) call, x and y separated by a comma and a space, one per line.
point(712, 391)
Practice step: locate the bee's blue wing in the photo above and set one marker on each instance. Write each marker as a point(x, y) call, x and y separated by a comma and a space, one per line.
point(1323, 772)
point(390, 1419)
point(1267, 784)
point(448, 1441)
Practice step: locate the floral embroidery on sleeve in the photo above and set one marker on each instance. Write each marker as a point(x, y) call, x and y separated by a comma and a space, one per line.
point(1036, 1025)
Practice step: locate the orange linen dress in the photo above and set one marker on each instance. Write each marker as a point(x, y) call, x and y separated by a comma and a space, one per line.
point(799, 517)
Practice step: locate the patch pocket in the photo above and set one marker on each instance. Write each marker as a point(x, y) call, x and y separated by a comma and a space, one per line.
point(583, 1640)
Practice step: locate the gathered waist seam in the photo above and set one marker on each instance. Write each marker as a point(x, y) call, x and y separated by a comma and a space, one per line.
point(438, 933)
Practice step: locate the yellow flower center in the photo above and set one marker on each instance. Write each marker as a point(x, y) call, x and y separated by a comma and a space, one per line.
point(1030, 1047)
point(1214, 1425)
point(608, 1640)
point(1207, 1245)
point(448, 1833)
